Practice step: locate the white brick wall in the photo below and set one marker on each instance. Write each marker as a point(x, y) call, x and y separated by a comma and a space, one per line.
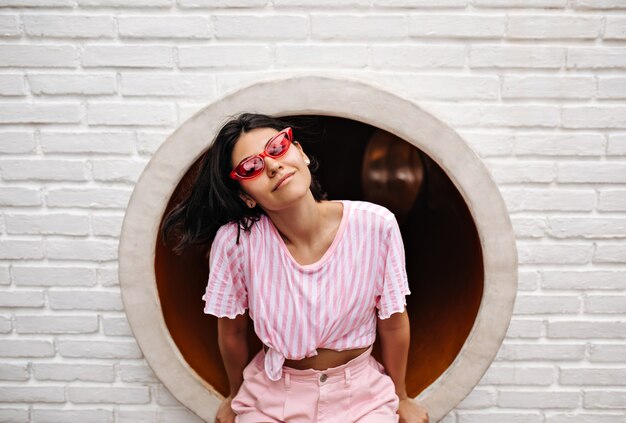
point(92, 87)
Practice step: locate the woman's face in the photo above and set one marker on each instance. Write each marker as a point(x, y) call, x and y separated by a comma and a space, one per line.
point(263, 188)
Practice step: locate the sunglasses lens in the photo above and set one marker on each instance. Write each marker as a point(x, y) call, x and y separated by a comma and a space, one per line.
point(250, 167)
point(278, 146)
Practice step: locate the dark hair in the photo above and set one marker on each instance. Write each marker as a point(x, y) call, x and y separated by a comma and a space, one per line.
point(213, 199)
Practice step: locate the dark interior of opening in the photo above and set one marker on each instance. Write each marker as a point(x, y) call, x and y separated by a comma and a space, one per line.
point(443, 254)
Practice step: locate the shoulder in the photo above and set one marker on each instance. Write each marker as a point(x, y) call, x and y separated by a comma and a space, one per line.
point(373, 211)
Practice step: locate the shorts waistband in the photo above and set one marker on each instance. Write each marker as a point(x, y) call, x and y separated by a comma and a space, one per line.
point(332, 374)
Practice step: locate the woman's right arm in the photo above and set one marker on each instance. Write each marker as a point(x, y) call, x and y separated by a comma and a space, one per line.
point(232, 336)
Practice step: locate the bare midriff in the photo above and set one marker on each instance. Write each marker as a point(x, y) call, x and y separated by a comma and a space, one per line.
point(325, 358)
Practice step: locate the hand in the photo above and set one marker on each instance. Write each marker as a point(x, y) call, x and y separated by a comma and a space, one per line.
point(411, 412)
point(225, 413)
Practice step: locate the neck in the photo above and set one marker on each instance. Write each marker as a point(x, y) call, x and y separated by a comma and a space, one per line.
point(300, 223)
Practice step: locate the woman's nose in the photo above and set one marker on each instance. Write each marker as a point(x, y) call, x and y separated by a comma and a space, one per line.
point(271, 165)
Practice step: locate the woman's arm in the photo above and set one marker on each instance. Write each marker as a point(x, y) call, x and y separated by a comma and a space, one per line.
point(395, 336)
point(233, 343)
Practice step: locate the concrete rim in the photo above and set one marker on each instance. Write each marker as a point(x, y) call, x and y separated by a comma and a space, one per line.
point(361, 101)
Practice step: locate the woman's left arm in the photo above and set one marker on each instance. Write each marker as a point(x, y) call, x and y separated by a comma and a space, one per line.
point(395, 337)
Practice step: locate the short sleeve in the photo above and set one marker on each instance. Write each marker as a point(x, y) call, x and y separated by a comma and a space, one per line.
point(395, 283)
point(226, 294)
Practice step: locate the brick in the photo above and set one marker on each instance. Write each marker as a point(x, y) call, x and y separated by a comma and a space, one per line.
point(123, 3)
point(529, 228)
point(132, 56)
point(93, 198)
point(506, 171)
point(581, 329)
point(598, 4)
point(116, 326)
point(583, 279)
point(539, 399)
point(43, 169)
point(149, 142)
point(13, 372)
point(611, 87)
point(588, 228)
point(81, 249)
point(85, 300)
point(6, 325)
point(606, 353)
point(136, 373)
point(21, 249)
point(87, 142)
point(9, 26)
point(594, 117)
point(612, 200)
point(519, 375)
point(616, 145)
point(48, 224)
point(553, 253)
point(584, 418)
point(514, 56)
point(75, 26)
point(40, 113)
point(36, 56)
point(541, 352)
point(99, 349)
point(421, 3)
point(38, 3)
point(596, 57)
point(32, 393)
point(592, 376)
point(14, 415)
point(478, 398)
point(224, 56)
point(117, 170)
point(589, 172)
point(260, 27)
point(498, 417)
point(108, 394)
point(311, 55)
point(525, 328)
point(53, 276)
point(417, 56)
point(107, 225)
point(604, 399)
point(548, 144)
point(325, 4)
point(615, 28)
point(12, 85)
point(83, 84)
point(542, 199)
point(553, 27)
point(212, 4)
point(164, 27)
point(180, 415)
point(26, 348)
point(64, 416)
point(487, 144)
point(547, 304)
point(519, 115)
point(358, 27)
point(136, 416)
point(424, 86)
point(557, 87)
point(465, 26)
point(19, 196)
point(21, 299)
point(609, 253)
point(17, 142)
point(115, 113)
point(5, 275)
point(175, 85)
point(71, 371)
point(556, 4)
point(56, 324)
point(528, 281)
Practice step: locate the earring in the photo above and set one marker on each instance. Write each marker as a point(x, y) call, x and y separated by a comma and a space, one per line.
point(251, 204)
point(307, 161)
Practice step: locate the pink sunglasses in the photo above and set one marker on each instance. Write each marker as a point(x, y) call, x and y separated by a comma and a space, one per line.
point(276, 147)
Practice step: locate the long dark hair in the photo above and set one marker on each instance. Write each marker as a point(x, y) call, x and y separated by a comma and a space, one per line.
point(213, 199)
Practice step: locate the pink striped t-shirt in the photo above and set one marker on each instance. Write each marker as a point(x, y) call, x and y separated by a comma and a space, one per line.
point(327, 304)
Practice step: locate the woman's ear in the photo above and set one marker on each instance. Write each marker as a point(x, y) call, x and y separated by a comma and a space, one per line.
point(247, 199)
point(304, 156)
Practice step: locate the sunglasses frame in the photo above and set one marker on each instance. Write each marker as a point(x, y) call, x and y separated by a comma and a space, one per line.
point(288, 135)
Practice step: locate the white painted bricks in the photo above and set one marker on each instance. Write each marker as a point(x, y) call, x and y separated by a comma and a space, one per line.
point(91, 88)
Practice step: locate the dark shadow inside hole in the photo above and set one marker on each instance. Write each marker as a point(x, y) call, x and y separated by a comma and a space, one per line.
point(443, 258)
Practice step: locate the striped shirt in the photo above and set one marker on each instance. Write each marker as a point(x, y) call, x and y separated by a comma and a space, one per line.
point(298, 308)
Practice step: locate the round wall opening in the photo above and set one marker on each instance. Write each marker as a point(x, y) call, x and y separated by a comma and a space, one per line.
point(460, 249)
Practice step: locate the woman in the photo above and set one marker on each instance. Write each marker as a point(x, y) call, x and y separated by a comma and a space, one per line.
point(312, 274)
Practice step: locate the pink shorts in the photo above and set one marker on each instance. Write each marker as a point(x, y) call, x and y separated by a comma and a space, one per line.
point(358, 391)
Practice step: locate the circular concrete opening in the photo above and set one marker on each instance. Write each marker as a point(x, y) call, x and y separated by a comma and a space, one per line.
point(460, 249)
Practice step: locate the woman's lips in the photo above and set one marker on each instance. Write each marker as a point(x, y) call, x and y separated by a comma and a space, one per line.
point(283, 181)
